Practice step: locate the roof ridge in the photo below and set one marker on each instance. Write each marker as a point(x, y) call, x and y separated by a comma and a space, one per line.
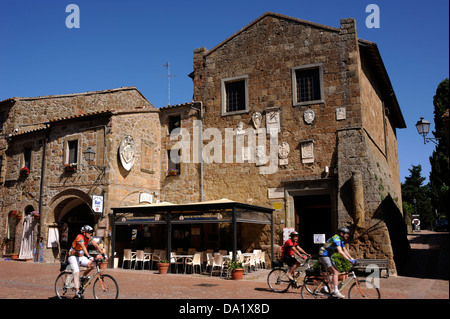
point(269, 13)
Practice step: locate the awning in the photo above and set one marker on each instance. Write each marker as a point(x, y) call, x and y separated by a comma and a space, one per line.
point(215, 211)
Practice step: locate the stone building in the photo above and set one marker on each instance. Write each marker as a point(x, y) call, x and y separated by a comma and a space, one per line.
point(287, 114)
point(326, 98)
point(49, 136)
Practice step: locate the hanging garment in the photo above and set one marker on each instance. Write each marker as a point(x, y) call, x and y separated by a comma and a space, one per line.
point(26, 246)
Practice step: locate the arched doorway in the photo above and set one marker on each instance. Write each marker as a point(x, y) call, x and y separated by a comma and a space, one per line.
point(76, 215)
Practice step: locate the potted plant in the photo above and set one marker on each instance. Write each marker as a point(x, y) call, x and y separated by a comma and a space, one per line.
point(70, 167)
point(163, 266)
point(172, 172)
point(237, 270)
point(14, 256)
point(24, 171)
point(342, 264)
point(17, 214)
point(35, 214)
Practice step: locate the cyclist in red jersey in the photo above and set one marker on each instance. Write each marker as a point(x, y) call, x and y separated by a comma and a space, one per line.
point(290, 249)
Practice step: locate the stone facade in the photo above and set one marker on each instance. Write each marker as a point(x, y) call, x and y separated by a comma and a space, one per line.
point(353, 129)
point(315, 99)
point(99, 120)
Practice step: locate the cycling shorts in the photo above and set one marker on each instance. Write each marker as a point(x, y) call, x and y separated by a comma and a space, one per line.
point(290, 261)
point(327, 262)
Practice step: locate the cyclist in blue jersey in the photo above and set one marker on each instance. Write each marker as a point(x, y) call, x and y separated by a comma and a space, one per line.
point(333, 245)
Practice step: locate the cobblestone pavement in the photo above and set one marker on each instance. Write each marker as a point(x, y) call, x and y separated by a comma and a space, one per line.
point(28, 280)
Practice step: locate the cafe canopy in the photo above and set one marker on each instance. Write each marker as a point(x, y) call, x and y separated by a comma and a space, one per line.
point(216, 211)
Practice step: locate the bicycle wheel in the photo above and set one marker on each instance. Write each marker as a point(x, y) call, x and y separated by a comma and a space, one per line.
point(106, 287)
point(64, 286)
point(315, 288)
point(278, 280)
point(364, 289)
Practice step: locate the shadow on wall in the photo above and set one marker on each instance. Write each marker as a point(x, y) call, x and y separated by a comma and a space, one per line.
point(398, 232)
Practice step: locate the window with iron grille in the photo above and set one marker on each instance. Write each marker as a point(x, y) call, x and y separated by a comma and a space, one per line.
point(307, 85)
point(234, 95)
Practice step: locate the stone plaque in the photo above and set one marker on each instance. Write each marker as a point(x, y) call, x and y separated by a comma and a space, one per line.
point(127, 152)
point(341, 113)
point(307, 152)
point(276, 192)
point(257, 120)
point(283, 153)
point(273, 120)
point(309, 116)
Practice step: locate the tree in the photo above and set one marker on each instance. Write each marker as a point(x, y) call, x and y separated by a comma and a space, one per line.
point(439, 175)
point(416, 196)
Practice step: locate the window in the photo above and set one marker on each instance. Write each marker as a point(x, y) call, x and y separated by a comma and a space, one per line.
point(174, 166)
point(72, 151)
point(2, 120)
point(307, 84)
point(27, 158)
point(1, 169)
point(174, 122)
point(235, 95)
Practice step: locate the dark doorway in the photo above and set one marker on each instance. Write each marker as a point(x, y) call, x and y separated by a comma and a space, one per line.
point(76, 218)
point(313, 216)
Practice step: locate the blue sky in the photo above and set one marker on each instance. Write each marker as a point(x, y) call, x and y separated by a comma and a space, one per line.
point(125, 43)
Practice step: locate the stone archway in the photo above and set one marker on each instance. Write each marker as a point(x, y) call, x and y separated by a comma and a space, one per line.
point(71, 210)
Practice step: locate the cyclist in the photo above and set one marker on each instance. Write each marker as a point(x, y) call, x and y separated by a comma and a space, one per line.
point(290, 249)
point(332, 245)
point(79, 255)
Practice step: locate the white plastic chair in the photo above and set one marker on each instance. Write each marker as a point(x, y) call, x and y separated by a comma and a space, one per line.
point(155, 257)
point(263, 259)
point(128, 255)
point(176, 261)
point(195, 261)
point(139, 258)
point(257, 253)
point(209, 261)
point(217, 262)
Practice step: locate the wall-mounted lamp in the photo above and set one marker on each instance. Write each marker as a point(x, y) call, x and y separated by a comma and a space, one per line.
point(89, 156)
point(423, 128)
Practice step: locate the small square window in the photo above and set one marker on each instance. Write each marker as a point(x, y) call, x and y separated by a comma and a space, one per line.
point(235, 95)
point(307, 84)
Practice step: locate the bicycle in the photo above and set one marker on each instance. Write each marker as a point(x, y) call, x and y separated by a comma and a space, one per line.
point(278, 279)
point(316, 286)
point(104, 287)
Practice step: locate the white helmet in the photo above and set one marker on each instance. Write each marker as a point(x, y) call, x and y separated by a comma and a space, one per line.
point(87, 229)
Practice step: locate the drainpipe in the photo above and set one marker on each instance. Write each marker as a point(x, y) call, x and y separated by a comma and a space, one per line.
point(200, 145)
point(41, 190)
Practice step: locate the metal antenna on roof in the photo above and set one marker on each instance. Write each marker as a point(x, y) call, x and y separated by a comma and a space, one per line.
point(167, 66)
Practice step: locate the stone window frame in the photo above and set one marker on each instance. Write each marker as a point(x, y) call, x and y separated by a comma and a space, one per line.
point(224, 95)
point(70, 138)
point(306, 67)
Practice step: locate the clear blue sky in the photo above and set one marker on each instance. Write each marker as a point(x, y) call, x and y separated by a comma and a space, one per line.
point(125, 43)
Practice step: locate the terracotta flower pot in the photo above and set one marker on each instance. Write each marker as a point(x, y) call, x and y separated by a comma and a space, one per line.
point(237, 274)
point(103, 265)
point(14, 256)
point(163, 267)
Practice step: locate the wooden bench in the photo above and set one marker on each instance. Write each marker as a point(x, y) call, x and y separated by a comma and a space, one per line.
point(382, 264)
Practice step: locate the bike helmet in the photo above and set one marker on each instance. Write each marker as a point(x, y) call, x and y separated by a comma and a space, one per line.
point(345, 230)
point(87, 229)
point(294, 233)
